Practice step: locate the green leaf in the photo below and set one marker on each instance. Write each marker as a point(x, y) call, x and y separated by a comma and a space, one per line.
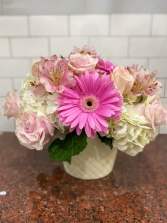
point(141, 98)
point(107, 141)
point(61, 57)
point(63, 150)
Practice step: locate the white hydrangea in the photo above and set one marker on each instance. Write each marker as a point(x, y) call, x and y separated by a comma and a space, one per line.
point(130, 134)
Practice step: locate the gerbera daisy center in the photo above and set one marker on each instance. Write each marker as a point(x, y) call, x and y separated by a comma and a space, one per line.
point(89, 103)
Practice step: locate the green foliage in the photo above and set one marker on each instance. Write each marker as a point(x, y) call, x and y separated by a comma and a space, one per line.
point(63, 150)
point(107, 141)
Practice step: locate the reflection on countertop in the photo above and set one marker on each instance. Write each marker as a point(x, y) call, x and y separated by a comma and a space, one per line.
point(39, 190)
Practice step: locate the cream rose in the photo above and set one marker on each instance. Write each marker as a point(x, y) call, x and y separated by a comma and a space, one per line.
point(123, 80)
point(80, 63)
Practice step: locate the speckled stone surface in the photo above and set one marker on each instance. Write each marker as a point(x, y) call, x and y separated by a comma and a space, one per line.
point(39, 190)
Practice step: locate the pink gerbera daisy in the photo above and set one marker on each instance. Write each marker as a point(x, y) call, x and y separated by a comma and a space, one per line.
point(93, 100)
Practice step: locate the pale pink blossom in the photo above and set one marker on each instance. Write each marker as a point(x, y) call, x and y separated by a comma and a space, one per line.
point(33, 131)
point(12, 105)
point(85, 50)
point(123, 79)
point(104, 67)
point(154, 112)
point(145, 83)
point(54, 74)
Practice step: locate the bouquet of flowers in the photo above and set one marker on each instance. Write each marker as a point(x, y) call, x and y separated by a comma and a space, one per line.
point(65, 100)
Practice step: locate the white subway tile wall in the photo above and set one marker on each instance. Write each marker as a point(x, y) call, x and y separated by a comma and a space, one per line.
point(29, 47)
point(48, 25)
point(159, 25)
point(148, 47)
point(4, 47)
point(130, 24)
point(120, 38)
point(89, 25)
point(110, 46)
point(13, 26)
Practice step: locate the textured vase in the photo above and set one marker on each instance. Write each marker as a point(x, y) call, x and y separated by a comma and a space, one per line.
point(96, 161)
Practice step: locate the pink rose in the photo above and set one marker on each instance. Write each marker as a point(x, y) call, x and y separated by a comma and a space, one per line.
point(33, 131)
point(12, 105)
point(154, 112)
point(123, 80)
point(79, 63)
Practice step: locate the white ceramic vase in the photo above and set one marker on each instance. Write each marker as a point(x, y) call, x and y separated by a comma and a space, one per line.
point(96, 161)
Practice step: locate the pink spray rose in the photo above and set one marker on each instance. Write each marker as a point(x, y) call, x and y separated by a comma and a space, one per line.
point(54, 74)
point(12, 105)
point(104, 67)
point(145, 83)
point(123, 80)
point(33, 131)
point(82, 60)
point(154, 112)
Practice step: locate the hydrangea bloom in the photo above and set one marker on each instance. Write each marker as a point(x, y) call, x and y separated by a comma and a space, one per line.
point(131, 133)
point(88, 105)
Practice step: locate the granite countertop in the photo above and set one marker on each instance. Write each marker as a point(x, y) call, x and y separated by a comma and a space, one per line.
point(39, 190)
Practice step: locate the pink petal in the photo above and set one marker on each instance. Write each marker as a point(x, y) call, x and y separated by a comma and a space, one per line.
point(73, 115)
point(111, 100)
point(91, 121)
point(80, 85)
point(48, 84)
point(88, 129)
point(68, 79)
point(78, 130)
point(105, 112)
point(70, 93)
point(101, 120)
point(83, 120)
point(76, 121)
point(64, 107)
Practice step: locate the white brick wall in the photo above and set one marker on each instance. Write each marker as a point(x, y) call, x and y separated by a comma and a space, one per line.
point(4, 47)
point(29, 47)
point(14, 67)
point(148, 47)
point(121, 38)
point(48, 25)
point(130, 24)
point(159, 27)
point(89, 25)
point(110, 46)
point(13, 26)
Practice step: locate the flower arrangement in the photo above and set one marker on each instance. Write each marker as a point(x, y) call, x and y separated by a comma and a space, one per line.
point(64, 101)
